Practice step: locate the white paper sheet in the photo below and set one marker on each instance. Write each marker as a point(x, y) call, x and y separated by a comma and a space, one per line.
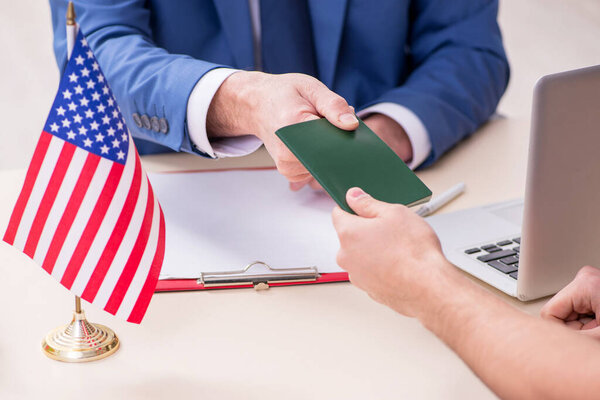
point(222, 221)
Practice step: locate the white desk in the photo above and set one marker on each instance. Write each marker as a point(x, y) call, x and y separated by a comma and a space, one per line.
point(316, 341)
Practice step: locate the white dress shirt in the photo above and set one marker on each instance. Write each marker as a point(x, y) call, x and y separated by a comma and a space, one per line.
point(204, 91)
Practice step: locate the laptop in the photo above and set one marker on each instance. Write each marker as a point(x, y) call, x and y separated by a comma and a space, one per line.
point(533, 247)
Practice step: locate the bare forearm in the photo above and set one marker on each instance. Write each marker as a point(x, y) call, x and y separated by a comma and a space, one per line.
point(516, 355)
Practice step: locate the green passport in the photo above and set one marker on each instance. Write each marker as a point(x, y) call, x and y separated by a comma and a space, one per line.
point(340, 160)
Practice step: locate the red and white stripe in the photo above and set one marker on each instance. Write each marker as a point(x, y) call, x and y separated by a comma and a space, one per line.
point(94, 224)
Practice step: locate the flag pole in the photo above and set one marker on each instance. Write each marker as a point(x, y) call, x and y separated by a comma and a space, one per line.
point(79, 341)
point(71, 35)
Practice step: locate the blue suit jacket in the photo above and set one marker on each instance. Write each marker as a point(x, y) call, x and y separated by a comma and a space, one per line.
point(442, 59)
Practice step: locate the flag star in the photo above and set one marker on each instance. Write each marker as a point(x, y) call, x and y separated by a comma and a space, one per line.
point(115, 114)
point(84, 42)
point(84, 102)
point(94, 125)
point(119, 125)
point(72, 106)
point(60, 110)
point(82, 130)
point(90, 84)
point(71, 135)
point(89, 113)
point(54, 127)
point(115, 143)
point(85, 72)
point(96, 96)
point(87, 143)
point(101, 108)
point(110, 102)
point(100, 78)
point(99, 137)
point(73, 77)
point(111, 131)
point(95, 66)
point(77, 118)
point(78, 89)
point(66, 123)
point(104, 149)
point(79, 60)
point(124, 137)
point(120, 155)
point(105, 90)
point(67, 94)
point(89, 54)
point(106, 121)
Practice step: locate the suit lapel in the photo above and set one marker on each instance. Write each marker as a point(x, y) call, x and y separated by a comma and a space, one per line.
point(328, 23)
point(235, 19)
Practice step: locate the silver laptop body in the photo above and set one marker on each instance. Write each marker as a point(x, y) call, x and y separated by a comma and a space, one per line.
point(545, 239)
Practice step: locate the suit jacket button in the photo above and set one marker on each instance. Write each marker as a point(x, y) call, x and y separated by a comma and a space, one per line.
point(137, 120)
point(164, 125)
point(146, 122)
point(155, 124)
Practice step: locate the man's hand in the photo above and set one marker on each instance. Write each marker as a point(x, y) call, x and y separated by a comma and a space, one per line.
point(259, 103)
point(389, 252)
point(578, 305)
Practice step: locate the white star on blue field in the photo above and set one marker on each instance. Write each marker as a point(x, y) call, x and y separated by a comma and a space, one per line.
point(85, 112)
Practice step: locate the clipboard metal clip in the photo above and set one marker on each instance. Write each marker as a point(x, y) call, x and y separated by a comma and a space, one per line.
point(259, 281)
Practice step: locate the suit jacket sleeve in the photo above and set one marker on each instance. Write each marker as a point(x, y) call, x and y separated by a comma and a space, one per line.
point(143, 77)
point(459, 69)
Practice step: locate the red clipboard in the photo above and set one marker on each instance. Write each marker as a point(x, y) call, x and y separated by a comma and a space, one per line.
point(265, 282)
point(180, 285)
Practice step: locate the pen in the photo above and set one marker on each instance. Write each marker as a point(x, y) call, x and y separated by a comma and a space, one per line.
point(441, 200)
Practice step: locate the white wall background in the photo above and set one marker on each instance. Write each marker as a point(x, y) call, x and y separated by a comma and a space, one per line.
point(541, 36)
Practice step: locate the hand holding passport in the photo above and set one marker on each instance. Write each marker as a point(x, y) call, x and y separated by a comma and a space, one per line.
point(340, 160)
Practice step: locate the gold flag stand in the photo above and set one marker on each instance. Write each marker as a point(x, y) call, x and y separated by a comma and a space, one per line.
point(80, 340)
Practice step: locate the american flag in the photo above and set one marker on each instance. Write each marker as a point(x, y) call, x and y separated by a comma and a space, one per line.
point(87, 213)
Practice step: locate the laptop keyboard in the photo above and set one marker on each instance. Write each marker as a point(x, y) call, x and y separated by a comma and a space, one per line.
point(502, 255)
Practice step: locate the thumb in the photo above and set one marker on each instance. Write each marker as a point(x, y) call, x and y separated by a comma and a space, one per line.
point(363, 204)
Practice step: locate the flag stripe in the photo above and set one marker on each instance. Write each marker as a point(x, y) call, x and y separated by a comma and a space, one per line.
point(145, 264)
point(39, 188)
point(62, 164)
point(135, 256)
point(120, 259)
point(82, 217)
point(143, 301)
point(92, 226)
point(58, 208)
point(30, 178)
point(116, 237)
point(107, 227)
point(71, 210)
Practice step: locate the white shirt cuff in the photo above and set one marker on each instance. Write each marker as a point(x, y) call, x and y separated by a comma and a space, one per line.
point(414, 128)
point(197, 110)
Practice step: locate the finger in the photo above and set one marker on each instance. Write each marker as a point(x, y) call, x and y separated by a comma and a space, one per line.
point(561, 307)
point(331, 106)
point(315, 185)
point(363, 204)
point(337, 217)
point(595, 333)
point(296, 186)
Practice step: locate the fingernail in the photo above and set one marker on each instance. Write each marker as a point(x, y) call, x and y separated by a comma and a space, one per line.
point(357, 193)
point(348, 118)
